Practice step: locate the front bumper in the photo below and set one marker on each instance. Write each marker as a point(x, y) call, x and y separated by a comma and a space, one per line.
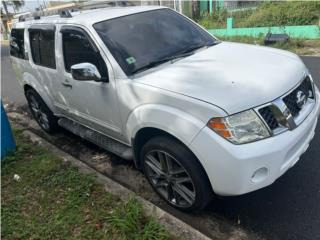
point(238, 169)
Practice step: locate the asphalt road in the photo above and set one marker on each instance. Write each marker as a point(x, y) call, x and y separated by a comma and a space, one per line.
point(288, 209)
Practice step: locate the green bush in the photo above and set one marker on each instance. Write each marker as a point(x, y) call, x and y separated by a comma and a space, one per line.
point(284, 13)
point(280, 14)
point(215, 20)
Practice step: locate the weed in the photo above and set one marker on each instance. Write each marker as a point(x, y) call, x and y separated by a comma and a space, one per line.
point(274, 13)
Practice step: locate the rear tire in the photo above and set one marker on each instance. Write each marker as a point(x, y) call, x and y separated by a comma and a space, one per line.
point(176, 174)
point(41, 112)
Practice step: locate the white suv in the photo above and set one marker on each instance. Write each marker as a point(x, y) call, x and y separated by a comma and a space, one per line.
point(197, 115)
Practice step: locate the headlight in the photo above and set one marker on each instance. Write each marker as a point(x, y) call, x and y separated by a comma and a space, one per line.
point(240, 128)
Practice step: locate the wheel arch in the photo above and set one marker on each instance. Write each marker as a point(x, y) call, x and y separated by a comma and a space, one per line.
point(150, 120)
point(143, 136)
point(161, 119)
point(30, 82)
point(147, 133)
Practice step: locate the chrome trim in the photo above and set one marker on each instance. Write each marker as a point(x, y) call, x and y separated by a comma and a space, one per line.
point(282, 113)
point(313, 87)
point(305, 111)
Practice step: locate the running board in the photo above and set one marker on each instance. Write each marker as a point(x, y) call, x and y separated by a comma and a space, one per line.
point(97, 138)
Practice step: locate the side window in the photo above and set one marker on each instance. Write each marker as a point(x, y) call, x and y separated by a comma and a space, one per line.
point(34, 45)
point(17, 43)
point(42, 48)
point(78, 49)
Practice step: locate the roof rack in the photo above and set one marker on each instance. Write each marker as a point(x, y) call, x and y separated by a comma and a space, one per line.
point(65, 14)
point(21, 19)
point(26, 18)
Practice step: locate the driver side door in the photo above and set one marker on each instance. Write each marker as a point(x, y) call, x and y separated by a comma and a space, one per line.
point(91, 103)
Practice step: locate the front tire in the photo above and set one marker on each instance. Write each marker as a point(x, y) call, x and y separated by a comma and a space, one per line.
point(41, 112)
point(175, 174)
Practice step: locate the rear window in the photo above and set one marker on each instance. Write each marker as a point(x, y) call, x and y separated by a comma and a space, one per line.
point(42, 48)
point(17, 43)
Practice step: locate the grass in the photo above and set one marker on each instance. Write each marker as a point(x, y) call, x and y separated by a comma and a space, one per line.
point(281, 13)
point(53, 200)
point(298, 46)
point(267, 14)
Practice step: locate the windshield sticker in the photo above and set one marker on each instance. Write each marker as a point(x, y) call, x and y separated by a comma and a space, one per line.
point(131, 60)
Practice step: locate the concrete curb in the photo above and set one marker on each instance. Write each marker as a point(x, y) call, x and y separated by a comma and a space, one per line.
point(315, 56)
point(177, 227)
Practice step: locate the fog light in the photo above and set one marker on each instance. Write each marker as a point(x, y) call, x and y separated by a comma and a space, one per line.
point(259, 175)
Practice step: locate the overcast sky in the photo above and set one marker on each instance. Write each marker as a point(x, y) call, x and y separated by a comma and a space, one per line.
point(31, 5)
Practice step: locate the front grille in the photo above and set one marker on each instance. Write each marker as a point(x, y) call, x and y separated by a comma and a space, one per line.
point(269, 118)
point(278, 117)
point(291, 99)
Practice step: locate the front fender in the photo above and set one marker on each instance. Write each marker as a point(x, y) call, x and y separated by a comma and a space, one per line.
point(42, 90)
point(174, 121)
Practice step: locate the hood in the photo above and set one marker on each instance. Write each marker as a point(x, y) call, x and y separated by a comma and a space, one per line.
point(232, 76)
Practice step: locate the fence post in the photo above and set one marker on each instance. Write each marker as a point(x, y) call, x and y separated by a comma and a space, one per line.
point(229, 23)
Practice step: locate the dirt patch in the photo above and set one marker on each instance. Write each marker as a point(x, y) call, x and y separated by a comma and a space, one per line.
point(311, 47)
point(124, 172)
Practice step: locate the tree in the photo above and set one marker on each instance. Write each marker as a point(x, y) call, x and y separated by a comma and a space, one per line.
point(16, 5)
point(4, 3)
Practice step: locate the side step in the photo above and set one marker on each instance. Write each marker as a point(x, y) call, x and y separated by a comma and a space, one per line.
point(97, 138)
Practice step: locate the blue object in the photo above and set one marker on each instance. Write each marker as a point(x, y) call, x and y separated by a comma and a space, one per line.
point(7, 141)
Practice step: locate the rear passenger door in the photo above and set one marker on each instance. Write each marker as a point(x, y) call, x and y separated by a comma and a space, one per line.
point(94, 104)
point(43, 57)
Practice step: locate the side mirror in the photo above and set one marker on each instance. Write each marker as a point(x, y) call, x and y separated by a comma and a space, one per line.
point(85, 72)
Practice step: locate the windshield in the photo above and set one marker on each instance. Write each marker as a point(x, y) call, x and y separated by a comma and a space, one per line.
point(140, 40)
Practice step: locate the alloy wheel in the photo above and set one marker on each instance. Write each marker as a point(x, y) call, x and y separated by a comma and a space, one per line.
point(38, 113)
point(170, 178)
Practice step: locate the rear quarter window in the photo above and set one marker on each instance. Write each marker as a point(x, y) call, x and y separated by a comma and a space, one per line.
point(17, 43)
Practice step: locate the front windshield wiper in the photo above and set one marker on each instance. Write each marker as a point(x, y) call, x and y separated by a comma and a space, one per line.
point(194, 47)
point(185, 53)
point(160, 61)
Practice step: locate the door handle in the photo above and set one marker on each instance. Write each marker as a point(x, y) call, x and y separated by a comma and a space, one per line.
point(66, 84)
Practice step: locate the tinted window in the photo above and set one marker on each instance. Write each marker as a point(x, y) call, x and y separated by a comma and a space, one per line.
point(34, 44)
point(139, 39)
point(42, 47)
point(78, 49)
point(17, 43)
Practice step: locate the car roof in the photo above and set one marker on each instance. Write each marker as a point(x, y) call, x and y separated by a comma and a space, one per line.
point(88, 17)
